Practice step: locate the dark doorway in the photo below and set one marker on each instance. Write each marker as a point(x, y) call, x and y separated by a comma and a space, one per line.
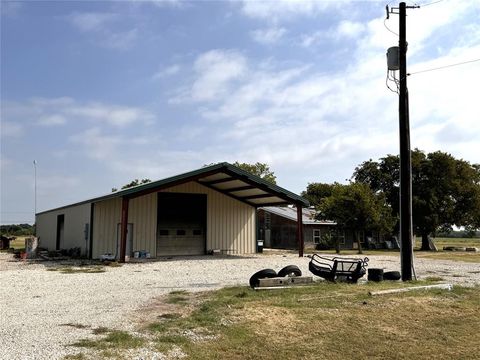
point(181, 224)
point(60, 231)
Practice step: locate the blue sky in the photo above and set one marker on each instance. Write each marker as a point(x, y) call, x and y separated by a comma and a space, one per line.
point(100, 93)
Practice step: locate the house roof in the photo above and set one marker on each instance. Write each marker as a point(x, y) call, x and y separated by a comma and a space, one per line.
point(223, 177)
point(308, 215)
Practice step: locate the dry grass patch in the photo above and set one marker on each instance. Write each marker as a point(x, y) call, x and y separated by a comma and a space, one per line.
point(334, 321)
point(93, 269)
point(473, 257)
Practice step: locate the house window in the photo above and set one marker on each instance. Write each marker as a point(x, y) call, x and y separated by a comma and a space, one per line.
point(163, 232)
point(181, 232)
point(316, 236)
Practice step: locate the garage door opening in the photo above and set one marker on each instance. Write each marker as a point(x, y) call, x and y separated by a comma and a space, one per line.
point(181, 224)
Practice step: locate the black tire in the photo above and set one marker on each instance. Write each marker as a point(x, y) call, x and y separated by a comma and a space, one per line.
point(391, 275)
point(290, 270)
point(262, 274)
point(375, 274)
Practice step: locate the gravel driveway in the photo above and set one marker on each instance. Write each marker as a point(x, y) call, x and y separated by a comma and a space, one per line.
point(40, 310)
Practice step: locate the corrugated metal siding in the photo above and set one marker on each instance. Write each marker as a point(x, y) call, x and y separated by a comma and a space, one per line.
point(74, 227)
point(142, 212)
point(230, 223)
point(106, 216)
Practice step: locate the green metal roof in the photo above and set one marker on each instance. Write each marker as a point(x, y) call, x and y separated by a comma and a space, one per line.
point(223, 177)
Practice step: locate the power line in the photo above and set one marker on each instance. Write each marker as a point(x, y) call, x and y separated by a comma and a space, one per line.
point(443, 67)
point(386, 27)
point(432, 3)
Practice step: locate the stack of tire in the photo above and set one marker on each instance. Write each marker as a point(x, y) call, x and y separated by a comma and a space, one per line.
point(378, 275)
point(290, 270)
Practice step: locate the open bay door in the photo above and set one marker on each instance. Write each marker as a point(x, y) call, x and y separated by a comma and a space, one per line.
point(181, 224)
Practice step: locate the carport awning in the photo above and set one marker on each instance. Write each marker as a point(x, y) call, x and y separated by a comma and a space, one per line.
point(225, 178)
point(245, 189)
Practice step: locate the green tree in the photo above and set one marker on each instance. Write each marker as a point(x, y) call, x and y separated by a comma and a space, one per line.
point(316, 192)
point(357, 207)
point(133, 183)
point(445, 190)
point(17, 230)
point(259, 169)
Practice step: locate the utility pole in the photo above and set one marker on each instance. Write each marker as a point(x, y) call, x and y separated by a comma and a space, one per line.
point(406, 223)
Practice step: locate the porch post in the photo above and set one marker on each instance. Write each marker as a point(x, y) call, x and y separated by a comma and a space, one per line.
point(300, 230)
point(123, 231)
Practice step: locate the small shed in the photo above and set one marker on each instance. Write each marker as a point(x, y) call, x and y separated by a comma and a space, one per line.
point(212, 208)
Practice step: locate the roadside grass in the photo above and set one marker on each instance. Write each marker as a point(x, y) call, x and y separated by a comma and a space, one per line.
point(113, 339)
point(465, 256)
point(177, 297)
point(473, 257)
point(326, 320)
point(441, 242)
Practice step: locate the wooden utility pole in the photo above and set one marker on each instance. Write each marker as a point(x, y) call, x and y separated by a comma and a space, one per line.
point(406, 223)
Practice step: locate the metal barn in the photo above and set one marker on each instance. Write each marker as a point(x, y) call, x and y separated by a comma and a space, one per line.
point(213, 208)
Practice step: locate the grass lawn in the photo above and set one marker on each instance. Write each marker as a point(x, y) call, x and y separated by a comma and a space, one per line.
point(466, 256)
point(18, 243)
point(332, 321)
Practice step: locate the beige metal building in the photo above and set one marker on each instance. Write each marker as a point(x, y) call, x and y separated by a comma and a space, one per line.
point(213, 208)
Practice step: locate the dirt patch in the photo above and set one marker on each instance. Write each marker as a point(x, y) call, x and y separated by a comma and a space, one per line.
point(162, 309)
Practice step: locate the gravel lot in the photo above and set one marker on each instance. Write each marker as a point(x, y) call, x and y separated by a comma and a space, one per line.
point(38, 308)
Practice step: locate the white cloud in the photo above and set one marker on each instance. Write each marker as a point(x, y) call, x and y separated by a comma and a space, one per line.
point(10, 129)
point(268, 36)
point(301, 117)
point(344, 29)
point(215, 70)
point(313, 38)
point(90, 21)
point(56, 111)
point(119, 116)
point(165, 3)
point(98, 145)
point(350, 29)
point(52, 120)
point(166, 72)
point(121, 40)
point(285, 9)
point(100, 26)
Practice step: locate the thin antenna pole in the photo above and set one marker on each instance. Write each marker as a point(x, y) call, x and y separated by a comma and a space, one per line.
point(35, 193)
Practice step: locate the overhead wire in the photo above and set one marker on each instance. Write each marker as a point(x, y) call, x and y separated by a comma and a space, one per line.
point(432, 3)
point(391, 77)
point(386, 27)
point(443, 67)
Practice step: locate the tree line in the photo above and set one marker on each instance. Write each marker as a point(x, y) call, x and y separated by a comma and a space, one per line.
point(17, 230)
point(445, 193)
